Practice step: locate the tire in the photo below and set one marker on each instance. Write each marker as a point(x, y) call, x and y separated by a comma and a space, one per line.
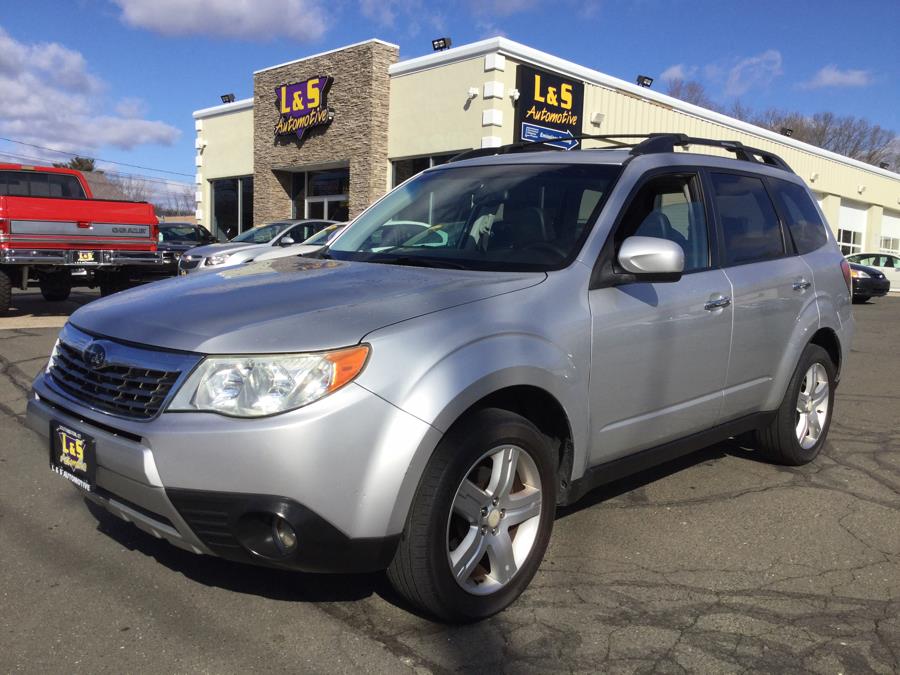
point(5, 291)
point(860, 299)
point(781, 442)
point(461, 478)
point(56, 287)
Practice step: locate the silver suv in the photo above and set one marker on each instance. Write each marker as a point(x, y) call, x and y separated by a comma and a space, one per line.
point(425, 406)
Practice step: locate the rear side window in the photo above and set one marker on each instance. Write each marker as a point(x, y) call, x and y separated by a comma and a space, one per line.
point(37, 184)
point(803, 221)
point(750, 225)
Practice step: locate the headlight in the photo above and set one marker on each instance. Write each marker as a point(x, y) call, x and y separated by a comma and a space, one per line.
point(859, 274)
point(53, 354)
point(254, 386)
point(217, 259)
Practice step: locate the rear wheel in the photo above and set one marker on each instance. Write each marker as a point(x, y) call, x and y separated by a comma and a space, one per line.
point(56, 287)
point(112, 283)
point(5, 291)
point(481, 518)
point(800, 427)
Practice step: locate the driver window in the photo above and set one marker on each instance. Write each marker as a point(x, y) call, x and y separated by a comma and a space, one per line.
point(670, 207)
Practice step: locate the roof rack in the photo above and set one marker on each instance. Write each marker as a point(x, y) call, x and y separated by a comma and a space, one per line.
point(668, 142)
point(651, 144)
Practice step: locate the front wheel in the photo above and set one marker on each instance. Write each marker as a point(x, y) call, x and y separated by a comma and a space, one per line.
point(801, 423)
point(481, 518)
point(860, 299)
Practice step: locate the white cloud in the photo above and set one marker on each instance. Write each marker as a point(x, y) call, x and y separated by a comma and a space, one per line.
point(131, 107)
point(753, 72)
point(679, 71)
point(301, 20)
point(507, 7)
point(50, 98)
point(832, 76)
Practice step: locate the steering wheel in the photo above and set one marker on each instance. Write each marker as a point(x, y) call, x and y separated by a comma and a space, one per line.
point(546, 246)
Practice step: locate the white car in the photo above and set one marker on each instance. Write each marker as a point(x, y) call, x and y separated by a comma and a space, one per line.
point(314, 243)
point(886, 263)
point(248, 245)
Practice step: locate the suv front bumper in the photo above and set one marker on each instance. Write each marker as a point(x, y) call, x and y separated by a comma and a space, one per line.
point(336, 470)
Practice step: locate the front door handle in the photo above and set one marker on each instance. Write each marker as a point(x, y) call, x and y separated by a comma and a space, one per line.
point(717, 303)
point(801, 285)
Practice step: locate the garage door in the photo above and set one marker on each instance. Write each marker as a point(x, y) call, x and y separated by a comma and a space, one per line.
point(851, 227)
point(890, 232)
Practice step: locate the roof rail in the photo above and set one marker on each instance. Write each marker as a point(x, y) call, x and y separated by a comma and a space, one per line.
point(668, 142)
point(546, 144)
point(649, 145)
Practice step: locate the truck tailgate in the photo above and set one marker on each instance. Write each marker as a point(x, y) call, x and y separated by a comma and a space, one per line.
point(39, 222)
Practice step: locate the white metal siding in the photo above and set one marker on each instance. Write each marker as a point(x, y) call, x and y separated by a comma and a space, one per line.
point(852, 217)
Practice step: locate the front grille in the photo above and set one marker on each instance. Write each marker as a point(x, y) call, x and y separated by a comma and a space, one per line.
point(129, 391)
point(186, 264)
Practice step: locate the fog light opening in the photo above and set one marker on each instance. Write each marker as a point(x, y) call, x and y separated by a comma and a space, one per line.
point(285, 536)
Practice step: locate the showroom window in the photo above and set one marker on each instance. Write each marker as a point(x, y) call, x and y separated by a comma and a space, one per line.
point(850, 241)
point(404, 169)
point(321, 195)
point(232, 206)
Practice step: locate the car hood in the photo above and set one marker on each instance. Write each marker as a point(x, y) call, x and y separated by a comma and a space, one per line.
point(176, 246)
point(213, 249)
point(286, 305)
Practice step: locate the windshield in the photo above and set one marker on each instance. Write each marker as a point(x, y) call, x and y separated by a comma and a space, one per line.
point(519, 217)
point(324, 236)
point(261, 234)
point(182, 233)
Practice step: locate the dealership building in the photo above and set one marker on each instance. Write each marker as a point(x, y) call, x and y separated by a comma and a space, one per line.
point(325, 135)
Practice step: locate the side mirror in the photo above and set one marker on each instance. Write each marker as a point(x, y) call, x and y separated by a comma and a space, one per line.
point(286, 241)
point(652, 259)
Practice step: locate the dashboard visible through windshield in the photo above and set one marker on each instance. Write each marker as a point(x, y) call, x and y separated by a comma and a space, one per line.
point(499, 217)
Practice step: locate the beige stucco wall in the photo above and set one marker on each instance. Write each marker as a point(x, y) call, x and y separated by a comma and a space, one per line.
point(227, 140)
point(431, 112)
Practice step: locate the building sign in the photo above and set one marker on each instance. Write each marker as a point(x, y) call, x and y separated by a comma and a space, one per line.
point(549, 107)
point(303, 105)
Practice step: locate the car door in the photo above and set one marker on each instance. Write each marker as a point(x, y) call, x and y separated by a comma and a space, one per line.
point(660, 350)
point(771, 286)
point(890, 266)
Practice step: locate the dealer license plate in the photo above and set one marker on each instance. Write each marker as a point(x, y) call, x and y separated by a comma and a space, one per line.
point(73, 455)
point(86, 257)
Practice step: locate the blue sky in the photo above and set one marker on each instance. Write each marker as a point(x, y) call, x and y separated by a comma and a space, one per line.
point(118, 79)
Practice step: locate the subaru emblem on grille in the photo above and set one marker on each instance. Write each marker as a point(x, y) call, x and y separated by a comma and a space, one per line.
point(94, 355)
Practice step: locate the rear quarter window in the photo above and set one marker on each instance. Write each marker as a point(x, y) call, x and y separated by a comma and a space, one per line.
point(803, 220)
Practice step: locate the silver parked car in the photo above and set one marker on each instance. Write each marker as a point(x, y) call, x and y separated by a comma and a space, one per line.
point(249, 244)
point(425, 406)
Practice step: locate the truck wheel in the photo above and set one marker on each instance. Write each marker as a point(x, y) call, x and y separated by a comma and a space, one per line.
point(56, 287)
point(480, 520)
point(5, 291)
point(800, 427)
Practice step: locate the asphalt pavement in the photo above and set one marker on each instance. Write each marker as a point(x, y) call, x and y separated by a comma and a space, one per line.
point(715, 563)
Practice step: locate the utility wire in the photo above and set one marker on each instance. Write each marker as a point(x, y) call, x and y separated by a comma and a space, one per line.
point(96, 159)
point(150, 179)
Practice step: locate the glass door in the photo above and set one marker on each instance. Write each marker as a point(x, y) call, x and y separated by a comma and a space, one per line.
point(322, 195)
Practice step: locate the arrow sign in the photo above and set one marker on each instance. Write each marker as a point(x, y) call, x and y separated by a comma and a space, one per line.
point(534, 133)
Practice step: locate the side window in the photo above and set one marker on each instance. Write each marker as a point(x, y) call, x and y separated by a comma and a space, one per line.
point(803, 221)
point(750, 225)
point(864, 260)
point(670, 207)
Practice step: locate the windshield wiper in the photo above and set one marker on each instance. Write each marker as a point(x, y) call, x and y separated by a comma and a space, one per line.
point(417, 261)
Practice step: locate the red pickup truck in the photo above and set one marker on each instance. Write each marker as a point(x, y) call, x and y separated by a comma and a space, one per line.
point(54, 231)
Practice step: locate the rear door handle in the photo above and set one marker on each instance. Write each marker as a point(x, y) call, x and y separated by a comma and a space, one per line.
point(801, 285)
point(717, 303)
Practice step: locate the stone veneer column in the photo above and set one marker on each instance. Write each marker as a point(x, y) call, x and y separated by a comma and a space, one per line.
point(358, 135)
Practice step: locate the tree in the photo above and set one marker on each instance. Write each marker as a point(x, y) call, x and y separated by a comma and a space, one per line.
point(853, 137)
point(691, 91)
point(78, 163)
point(134, 188)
